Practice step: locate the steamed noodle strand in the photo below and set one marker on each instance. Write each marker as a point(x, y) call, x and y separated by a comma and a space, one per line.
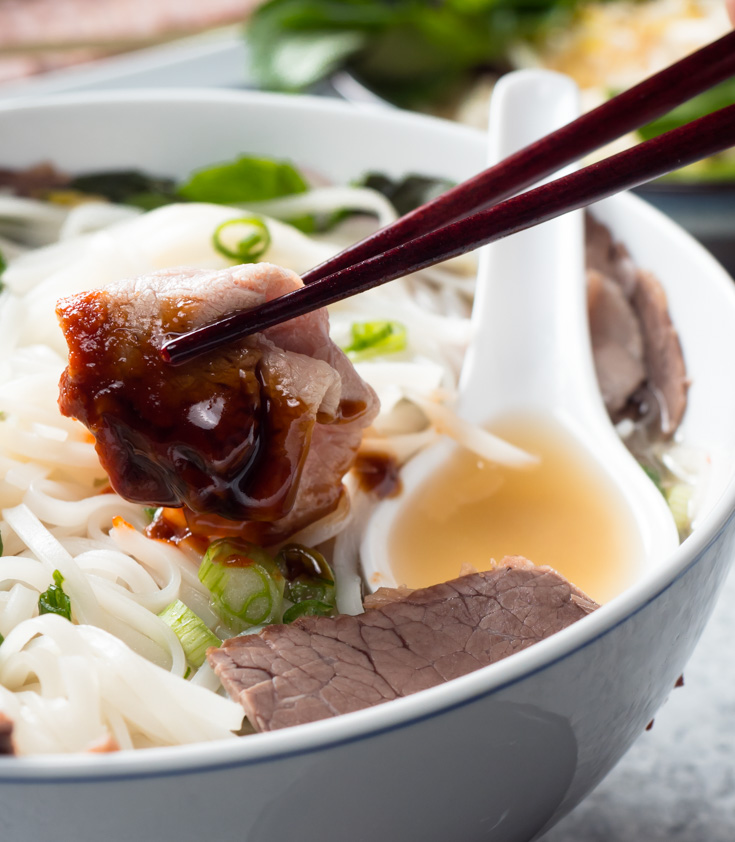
point(114, 677)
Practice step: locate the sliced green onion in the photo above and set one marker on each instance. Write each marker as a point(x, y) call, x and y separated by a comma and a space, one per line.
point(372, 339)
point(1, 544)
point(3, 267)
point(250, 246)
point(245, 583)
point(309, 579)
point(54, 600)
point(2, 639)
point(654, 476)
point(308, 608)
point(679, 498)
point(150, 513)
point(191, 630)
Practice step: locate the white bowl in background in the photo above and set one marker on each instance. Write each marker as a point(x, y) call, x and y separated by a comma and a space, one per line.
point(499, 754)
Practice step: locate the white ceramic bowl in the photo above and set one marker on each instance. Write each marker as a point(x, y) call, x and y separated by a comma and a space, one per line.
point(496, 755)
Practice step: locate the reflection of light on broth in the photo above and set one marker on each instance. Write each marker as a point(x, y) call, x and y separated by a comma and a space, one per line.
point(563, 513)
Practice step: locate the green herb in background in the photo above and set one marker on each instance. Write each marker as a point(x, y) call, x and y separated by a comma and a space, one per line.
point(127, 187)
point(242, 181)
point(413, 53)
point(718, 167)
point(54, 600)
point(408, 193)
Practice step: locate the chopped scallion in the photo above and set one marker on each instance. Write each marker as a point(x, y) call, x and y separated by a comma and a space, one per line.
point(372, 339)
point(654, 476)
point(679, 498)
point(245, 583)
point(309, 582)
point(3, 267)
point(150, 513)
point(191, 630)
point(250, 244)
point(54, 600)
point(308, 608)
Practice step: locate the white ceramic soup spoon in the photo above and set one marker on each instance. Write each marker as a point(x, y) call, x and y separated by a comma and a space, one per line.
point(529, 368)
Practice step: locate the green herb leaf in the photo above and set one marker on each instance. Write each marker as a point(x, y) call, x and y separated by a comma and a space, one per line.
point(242, 181)
point(720, 167)
point(253, 242)
point(127, 187)
point(54, 600)
point(150, 513)
point(2, 640)
point(413, 53)
point(3, 267)
point(1, 545)
point(303, 58)
point(373, 339)
point(194, 634)
point(408, 193)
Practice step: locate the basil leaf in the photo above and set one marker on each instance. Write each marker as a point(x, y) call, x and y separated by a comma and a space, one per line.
point(303, 58)
point(244, 180)
point(410, 52)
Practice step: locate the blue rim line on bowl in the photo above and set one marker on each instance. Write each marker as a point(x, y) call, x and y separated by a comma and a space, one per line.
point(403, 712)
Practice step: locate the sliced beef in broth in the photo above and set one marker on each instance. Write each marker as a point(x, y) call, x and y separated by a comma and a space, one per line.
point(319, 667)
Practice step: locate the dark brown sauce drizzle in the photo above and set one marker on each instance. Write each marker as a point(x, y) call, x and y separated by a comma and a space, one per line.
point(378, 474)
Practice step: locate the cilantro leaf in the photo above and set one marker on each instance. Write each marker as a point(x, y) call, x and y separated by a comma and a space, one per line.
point(54, 600)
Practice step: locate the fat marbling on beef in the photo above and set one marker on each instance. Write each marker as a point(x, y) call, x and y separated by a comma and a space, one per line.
point(318, 667)
point(260, 432)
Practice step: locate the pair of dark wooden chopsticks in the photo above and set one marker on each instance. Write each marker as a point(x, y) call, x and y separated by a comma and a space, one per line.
point(473, 213)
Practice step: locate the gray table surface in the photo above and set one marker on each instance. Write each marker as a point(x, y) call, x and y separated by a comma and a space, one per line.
point(677, 783)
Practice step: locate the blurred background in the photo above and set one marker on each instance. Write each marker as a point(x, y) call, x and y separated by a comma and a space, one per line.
point(440, 57)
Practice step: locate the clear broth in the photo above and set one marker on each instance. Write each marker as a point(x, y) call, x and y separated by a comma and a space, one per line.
point(563, 513)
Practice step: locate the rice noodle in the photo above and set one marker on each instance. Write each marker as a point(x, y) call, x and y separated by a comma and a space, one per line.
point(114, 677)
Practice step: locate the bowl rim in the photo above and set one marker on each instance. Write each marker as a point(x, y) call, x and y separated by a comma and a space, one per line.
point(433, 702)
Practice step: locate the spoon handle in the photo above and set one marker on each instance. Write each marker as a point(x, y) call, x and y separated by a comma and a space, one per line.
point(530, 347)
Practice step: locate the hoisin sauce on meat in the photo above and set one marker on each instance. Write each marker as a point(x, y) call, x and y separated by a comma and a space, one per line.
point(199, 435)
